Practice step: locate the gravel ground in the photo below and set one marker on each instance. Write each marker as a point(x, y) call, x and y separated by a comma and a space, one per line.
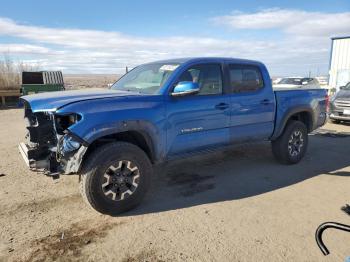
point(239, 205)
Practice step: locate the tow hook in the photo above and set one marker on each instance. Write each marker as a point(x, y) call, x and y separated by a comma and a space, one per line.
point(322, 228)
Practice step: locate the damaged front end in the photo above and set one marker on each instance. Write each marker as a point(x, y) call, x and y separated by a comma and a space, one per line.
point(50, 147)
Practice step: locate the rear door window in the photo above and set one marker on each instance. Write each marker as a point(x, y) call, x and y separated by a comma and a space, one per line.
point(245, 78)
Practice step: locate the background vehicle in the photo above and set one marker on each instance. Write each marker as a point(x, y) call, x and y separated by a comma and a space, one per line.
point(158, 112)
point(297, 82)
point(339, 109)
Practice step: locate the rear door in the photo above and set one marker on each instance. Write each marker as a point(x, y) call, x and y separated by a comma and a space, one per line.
point(252, 103)
point(200, 121)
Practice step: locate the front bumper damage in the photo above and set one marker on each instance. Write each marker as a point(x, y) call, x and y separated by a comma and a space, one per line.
point(51, 149)
point(51, 167)
point(34, 165)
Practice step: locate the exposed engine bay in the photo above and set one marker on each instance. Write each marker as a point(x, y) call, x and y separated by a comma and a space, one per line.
point(50, 147)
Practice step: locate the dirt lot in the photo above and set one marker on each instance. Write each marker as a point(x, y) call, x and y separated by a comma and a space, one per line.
point(79, 81)
point(234, 206)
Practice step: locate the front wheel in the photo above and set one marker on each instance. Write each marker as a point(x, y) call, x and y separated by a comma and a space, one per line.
point(115, 178)
point(291, 146)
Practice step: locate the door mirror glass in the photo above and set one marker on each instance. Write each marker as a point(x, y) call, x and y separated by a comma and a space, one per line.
point(185, 88)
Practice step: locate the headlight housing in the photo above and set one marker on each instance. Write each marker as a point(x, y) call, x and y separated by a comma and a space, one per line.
point(63, 122)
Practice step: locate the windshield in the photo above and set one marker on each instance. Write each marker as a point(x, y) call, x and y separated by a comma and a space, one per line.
point(145, 79)
point(291, 81)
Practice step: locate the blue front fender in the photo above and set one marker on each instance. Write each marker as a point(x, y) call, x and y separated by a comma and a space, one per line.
point(110, 116)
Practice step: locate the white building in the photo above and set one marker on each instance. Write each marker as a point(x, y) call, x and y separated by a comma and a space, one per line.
point(339, 64)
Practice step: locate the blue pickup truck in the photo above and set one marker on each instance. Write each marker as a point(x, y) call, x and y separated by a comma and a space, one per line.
point(162, 111)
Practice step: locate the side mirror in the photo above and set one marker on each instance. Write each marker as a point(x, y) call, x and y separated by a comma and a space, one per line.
point(342, 87)
point(185, 88)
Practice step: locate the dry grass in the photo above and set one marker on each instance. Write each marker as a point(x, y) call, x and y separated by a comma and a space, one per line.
point(10, 72)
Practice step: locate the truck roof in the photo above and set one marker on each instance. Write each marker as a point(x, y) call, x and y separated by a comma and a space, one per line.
point(207, 59)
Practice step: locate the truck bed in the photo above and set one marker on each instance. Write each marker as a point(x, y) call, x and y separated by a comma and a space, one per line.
point(291, 100)
point(295, 88)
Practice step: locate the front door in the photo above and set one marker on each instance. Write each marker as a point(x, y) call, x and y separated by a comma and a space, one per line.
point(199, 121)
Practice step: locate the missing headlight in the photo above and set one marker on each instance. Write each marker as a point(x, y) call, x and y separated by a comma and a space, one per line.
point(65, 121)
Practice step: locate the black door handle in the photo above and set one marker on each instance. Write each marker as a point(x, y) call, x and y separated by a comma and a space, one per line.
point(222, 106)
point(265, 102)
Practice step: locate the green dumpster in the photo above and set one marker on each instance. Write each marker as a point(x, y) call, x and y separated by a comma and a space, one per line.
point(43, 81)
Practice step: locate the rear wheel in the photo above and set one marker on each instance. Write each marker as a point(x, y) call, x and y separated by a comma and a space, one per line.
point(291, 146)
point(115, 178)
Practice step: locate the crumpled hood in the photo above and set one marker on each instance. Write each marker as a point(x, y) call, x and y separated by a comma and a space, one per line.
point(51, 101)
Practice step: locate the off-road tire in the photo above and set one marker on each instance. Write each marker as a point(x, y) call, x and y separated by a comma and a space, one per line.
point(280, 146)
point(94, 169)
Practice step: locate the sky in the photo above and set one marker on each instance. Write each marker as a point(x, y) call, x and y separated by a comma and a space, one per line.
point(290, 37)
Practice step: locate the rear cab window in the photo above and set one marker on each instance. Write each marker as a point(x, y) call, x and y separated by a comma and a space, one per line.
point(245, 78)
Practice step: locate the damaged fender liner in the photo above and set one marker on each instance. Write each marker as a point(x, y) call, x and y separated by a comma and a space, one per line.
point(73, 163)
